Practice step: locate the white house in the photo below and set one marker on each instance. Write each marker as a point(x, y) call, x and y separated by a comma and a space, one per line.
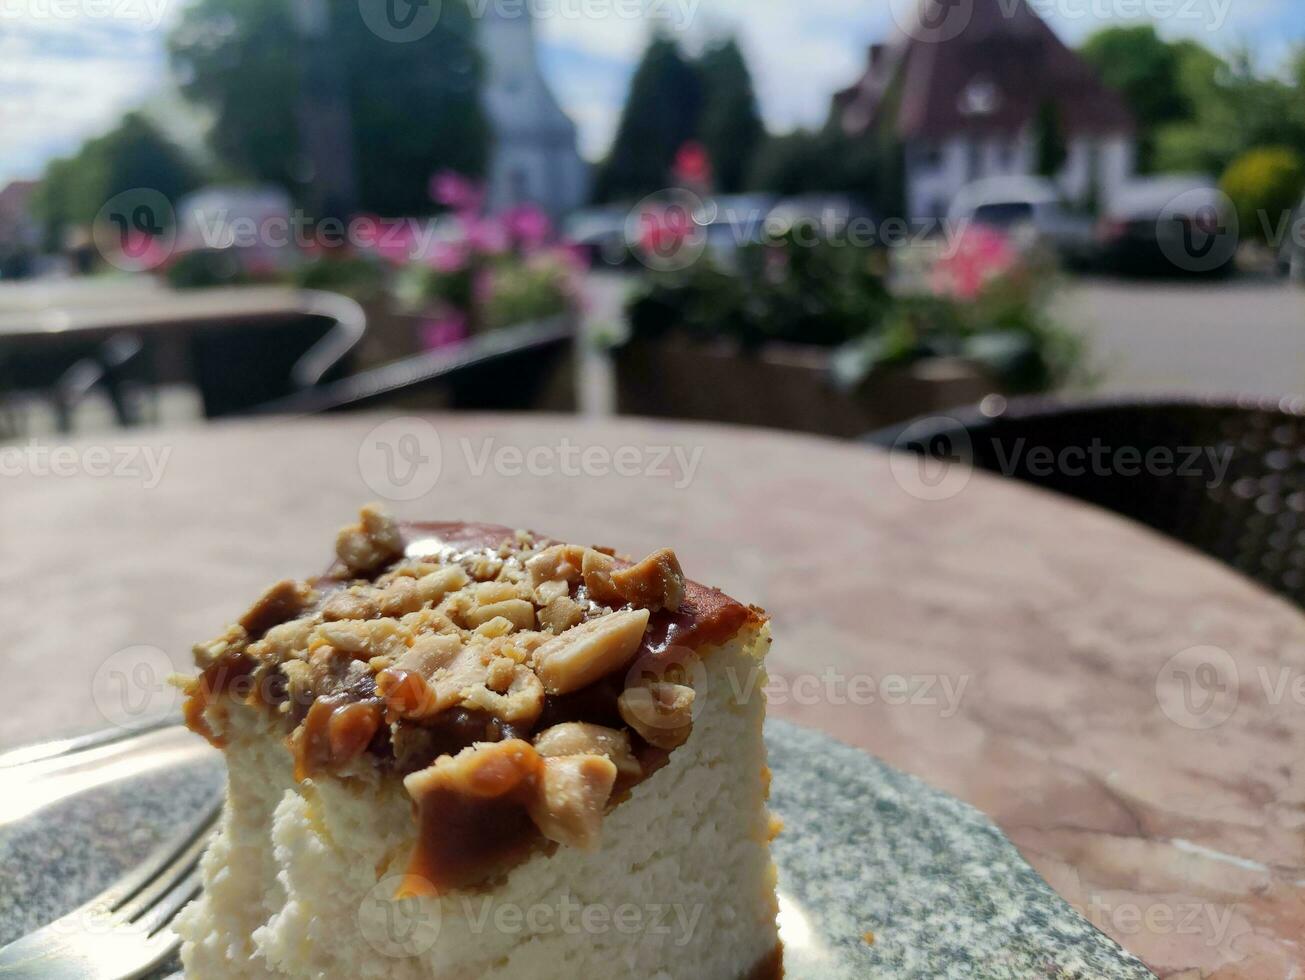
point(964, 100)
point(534, 155)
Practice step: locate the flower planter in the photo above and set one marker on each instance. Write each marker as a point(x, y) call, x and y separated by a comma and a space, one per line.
point(783, 386)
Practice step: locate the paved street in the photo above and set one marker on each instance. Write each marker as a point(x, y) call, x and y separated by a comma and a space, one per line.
point(1241, 337)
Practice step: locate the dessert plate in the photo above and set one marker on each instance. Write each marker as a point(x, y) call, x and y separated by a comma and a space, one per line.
point(880, 875)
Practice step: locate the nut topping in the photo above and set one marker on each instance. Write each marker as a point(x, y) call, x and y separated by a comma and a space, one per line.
point(657, 582)
point(561, 562)
point(572, 799)
point(597, 569)
point(518, 612)
point(521, 704)
point(373, 541)
point(561, 614)
point(282, 602)
point(661, 713)
point(579, 738)
point(590, 651)
point(350, 605)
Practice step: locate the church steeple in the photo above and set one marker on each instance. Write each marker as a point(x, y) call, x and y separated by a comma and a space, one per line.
point(535, 157)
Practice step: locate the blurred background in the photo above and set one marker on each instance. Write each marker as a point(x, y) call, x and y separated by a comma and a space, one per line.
point(828, 217)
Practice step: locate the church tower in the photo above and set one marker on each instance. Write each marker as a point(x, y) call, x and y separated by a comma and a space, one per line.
point(534, 158)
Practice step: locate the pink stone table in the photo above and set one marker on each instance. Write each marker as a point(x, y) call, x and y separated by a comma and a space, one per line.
point(1129, 712)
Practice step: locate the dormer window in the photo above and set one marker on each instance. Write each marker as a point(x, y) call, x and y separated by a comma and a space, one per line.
point(980, 98)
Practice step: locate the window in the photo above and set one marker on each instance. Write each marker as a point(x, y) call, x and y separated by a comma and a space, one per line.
point(980, 98)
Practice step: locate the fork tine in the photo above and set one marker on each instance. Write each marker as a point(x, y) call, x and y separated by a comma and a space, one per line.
point(160, 915)
point(182, 863)
point(114, 898)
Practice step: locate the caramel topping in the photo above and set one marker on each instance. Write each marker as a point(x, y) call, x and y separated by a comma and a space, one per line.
point(279, 604)
point(231, 669)
point(473, 816)
point(336, 731)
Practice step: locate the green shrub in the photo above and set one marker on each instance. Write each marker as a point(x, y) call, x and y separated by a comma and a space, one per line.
point(1265, 186)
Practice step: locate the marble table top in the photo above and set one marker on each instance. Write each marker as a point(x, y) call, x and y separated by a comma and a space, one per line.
point(1128, 712)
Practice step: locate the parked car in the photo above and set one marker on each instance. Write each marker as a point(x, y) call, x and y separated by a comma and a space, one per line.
point(1032, 212)
point(230, 234)
point(1168, 226)
point(600, 234)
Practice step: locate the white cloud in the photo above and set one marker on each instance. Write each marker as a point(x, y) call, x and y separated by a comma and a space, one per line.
point(64, 78)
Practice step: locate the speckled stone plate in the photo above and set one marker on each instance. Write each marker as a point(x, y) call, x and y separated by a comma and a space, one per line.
point(866, 852)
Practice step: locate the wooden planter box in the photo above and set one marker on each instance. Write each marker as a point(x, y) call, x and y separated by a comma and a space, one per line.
point(783, 386)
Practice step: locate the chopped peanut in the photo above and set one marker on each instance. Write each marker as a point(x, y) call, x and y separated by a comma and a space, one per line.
point(590, 651)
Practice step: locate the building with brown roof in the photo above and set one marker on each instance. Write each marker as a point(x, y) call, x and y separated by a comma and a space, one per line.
point(965, 89)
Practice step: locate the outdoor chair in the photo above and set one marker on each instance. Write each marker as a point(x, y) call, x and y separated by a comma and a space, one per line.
point(58, 375)
point(240, 366)
point(1225, 477)
point(525, 367)
point(129, 378)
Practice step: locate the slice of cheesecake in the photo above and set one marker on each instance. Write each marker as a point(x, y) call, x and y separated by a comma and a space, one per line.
point(472, 752)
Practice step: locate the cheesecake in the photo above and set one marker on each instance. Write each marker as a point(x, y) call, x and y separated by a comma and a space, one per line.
point(467, 752)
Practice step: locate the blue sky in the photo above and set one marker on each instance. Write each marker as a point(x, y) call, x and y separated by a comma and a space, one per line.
point(69, 67)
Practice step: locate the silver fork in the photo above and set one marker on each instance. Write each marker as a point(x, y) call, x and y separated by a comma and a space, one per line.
point(124, 932)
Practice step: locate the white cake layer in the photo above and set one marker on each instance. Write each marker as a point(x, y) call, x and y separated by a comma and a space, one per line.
point(299, 882)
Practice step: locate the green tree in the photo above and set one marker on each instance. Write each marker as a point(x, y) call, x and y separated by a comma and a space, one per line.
point(1237, 109)
point(1147, 71)
point(730, 127)
point(132, 155)
point(661, 113)
point(1265, 185)
point(412, 108)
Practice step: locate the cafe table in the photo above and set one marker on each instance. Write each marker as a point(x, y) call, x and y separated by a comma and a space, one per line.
point(1127, 711)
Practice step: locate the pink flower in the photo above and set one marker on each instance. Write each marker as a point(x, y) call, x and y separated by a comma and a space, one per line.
point(447, 256)
point(454, 191)
point(528, 227)
point(443, 331)
point(486, 235)
point(981, 256)
point(692, 167)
